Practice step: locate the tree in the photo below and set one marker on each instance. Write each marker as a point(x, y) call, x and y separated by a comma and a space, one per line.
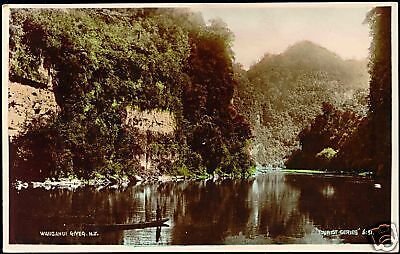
point(102, 61)
point(366, 145)
point(213, 125)
point(323, 138)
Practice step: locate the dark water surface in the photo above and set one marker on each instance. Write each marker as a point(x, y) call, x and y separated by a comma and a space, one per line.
point(269, 208)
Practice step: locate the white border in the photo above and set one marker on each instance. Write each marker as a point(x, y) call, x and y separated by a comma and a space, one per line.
point(395, 119)
point(4, 132)
point(217, 248)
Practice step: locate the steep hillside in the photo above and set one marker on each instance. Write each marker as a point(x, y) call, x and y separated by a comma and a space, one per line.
point(286, 91)
point(339, 140)
point(103, 61)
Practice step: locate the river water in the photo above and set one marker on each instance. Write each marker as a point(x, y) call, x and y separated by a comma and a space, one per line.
point(266, 209)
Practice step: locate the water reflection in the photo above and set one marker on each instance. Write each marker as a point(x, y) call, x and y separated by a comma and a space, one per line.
point(342, 203)
point(269, 208)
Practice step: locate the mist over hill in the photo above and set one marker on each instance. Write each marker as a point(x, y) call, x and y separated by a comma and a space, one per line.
point(282, 93)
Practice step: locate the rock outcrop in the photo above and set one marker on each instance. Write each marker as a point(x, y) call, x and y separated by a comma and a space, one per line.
point(154, 120)
point(26, 103)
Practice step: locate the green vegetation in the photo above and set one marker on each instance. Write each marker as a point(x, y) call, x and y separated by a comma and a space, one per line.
point(305, 108)
point(311, 109)
point(327, 153)
point(371, 146)
point(282, 94)
point(102, 61)
point(321, 140)
point(360, 142)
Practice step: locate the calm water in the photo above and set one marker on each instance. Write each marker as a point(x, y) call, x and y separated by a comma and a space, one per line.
point(269, 208)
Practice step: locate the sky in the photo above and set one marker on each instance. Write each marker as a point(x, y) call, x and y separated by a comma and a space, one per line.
point(264, 29)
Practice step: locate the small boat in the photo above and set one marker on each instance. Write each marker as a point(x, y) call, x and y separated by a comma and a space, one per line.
point(114, 227)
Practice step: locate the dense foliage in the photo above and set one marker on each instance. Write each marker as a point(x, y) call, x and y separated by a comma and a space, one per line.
point(101, 61)
point(360, 143)
point(371, 146)
point(283, 93)
point(214, 129)
point(323, 138)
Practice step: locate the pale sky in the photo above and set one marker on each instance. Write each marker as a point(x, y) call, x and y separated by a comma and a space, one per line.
point(272, 29)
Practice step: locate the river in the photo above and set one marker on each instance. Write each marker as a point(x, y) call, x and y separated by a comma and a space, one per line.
point(266, 209)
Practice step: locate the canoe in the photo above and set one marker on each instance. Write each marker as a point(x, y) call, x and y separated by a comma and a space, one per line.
point(112, 227)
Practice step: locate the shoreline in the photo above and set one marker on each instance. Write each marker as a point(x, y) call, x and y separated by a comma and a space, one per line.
point(113, 182)
point(120, 182)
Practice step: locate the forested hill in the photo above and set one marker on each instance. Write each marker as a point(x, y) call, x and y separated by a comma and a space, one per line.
point(282, 93)
point(305, 57)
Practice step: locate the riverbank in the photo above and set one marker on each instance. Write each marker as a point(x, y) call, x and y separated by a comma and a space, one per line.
point(116, 182)
point(318, 172)
point(99, 182)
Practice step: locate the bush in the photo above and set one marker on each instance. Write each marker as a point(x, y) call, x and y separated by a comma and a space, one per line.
point(326, 153)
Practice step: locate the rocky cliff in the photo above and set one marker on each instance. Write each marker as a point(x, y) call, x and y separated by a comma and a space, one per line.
point(26, 103)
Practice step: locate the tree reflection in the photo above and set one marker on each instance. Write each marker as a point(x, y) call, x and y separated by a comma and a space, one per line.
point(342, 202)
point(270, 208)
point(274, 207)
point(210, 211)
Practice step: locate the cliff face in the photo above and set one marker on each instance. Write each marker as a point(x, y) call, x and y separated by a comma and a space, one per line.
point(155, 121)
point(27, 102)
